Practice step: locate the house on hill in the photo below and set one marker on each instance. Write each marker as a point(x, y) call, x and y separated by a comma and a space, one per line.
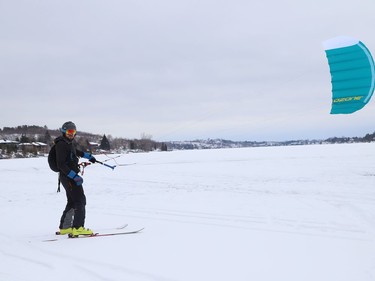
point(34, 147)
point(8, 147)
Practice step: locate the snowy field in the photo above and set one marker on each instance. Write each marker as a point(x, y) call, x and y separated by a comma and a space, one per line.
point(301, 213)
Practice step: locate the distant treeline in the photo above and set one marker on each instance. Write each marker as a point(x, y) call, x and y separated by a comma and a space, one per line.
point(86, 141)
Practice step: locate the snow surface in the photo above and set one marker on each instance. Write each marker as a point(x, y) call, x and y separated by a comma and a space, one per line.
point(274, 213)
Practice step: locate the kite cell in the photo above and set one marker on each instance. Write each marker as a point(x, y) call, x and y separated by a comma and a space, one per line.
point(352, 74)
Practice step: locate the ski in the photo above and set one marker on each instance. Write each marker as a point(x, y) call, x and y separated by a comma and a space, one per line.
point(119, 227)
point(106, 234)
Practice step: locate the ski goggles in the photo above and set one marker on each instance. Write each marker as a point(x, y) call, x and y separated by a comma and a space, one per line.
point(71, 132)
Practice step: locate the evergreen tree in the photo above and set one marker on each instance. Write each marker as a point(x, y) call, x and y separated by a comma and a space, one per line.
point(164, 147)
point(104, 144)
point(132, 145)
point(46, 138)
point(24, 139)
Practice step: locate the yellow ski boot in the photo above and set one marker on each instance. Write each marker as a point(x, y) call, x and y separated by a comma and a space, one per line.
point(81, 231)
point(64, 231)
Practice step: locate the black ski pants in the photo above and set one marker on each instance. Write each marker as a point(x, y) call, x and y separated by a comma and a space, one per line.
point(75, 210)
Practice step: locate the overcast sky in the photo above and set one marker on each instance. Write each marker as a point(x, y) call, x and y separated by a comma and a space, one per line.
point(179, 69)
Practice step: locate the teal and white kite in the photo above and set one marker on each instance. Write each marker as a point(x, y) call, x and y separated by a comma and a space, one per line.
point(352, 74)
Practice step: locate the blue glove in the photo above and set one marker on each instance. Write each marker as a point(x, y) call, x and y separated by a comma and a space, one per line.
point(89, 157)
point(74, 176)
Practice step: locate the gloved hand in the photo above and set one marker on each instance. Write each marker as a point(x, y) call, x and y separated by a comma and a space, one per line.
point(89, 157)
point(92, 159)
point(74, 176)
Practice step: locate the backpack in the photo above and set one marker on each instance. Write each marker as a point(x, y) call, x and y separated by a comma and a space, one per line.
point(53, 163)
point(52, 159)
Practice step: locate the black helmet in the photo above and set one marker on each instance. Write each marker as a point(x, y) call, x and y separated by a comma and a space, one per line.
point(68, 125)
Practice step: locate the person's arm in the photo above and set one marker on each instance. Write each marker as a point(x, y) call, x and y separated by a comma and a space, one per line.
point(62, 157)
point(86, 155)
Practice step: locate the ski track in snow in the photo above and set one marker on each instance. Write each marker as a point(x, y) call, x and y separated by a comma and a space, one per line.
point(89, 267)
point(272, 224)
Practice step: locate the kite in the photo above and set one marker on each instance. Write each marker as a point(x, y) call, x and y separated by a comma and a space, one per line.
point(352, 74)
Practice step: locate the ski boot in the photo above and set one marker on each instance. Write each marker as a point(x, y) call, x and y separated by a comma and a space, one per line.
point(64, 231)
point(80, 231)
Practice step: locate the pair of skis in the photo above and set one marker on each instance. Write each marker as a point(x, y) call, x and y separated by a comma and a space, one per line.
point(98, 234)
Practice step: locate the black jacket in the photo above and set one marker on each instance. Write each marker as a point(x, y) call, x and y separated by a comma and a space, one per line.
point(67, 155)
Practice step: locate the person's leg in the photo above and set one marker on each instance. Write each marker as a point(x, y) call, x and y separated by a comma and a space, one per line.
point(66, 220)
point(79, 203)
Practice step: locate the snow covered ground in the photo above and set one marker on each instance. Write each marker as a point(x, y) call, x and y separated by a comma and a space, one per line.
point(274, 213)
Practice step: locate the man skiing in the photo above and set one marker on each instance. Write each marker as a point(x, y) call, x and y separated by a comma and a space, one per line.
point(67, 156)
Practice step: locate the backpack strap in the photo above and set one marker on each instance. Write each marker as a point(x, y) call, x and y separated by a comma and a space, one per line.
point(58, 183)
